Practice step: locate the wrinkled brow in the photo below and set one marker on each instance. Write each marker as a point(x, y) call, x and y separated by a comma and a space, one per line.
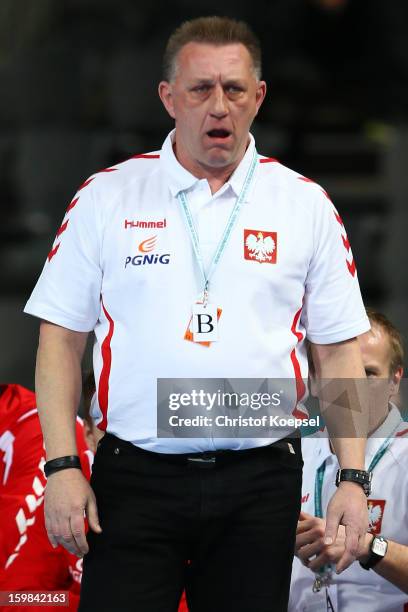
point(236, 81)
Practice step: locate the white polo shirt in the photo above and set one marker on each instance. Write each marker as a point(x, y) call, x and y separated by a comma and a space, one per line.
point(122, 264)
point(356, 589)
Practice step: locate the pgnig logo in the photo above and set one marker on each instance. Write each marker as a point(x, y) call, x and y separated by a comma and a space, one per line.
point(147, 246)
point(142, 260)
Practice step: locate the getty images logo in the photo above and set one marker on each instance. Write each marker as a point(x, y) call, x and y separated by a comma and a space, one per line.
point(147, 246)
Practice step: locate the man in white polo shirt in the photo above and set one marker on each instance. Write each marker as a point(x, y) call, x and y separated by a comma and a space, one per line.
point(378, 580)
point(202, 260)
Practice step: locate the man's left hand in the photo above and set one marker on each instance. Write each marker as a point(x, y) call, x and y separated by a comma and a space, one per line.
point(310, 548)
point(347, 507)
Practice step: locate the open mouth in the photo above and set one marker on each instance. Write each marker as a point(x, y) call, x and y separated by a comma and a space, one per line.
point(218, 133)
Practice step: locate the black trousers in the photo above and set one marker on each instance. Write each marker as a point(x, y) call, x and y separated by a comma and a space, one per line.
point(224, 529)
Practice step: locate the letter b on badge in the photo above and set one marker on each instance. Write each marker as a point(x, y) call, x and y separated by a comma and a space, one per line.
point(204, 323)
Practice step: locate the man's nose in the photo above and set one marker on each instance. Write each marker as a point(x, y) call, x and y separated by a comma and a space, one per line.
point(219, 102)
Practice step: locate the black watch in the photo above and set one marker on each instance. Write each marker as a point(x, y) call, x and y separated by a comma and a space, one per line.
point(360, 477)
point(378, 548)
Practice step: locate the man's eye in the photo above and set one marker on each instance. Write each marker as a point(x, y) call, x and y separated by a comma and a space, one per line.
point(201, 88)
point(233, 89)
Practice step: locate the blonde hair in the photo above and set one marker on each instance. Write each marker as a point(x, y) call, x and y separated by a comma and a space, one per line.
point(394, 337)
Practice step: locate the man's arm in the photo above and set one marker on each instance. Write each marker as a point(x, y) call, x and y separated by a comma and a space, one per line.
point(58, 387)
point(313, 553)
point(344, 407)
point(394, 566)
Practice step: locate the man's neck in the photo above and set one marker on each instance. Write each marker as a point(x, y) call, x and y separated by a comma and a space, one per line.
point(216, 177)
point(379, 422)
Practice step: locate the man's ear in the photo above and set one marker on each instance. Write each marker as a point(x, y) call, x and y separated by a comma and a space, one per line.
point(166, 96)
point(260, 94)
point(395, 380)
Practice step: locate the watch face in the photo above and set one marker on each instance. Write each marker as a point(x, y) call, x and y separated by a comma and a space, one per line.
point(379, 546)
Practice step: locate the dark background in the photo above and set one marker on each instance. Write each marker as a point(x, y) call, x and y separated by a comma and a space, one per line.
point(78, 93)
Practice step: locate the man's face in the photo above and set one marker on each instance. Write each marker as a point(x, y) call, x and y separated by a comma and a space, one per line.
point(376, 354)
point(213, 98)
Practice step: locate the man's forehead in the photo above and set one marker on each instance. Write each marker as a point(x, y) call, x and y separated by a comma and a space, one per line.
point(375, 340)
point(376, 334)
point(204, 60)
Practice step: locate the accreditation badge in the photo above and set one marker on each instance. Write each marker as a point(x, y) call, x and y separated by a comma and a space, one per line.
point(203, 325)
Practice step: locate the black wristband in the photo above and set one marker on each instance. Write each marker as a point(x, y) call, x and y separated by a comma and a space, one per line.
point(61, 463)
point(378, 549)
point(360, 477)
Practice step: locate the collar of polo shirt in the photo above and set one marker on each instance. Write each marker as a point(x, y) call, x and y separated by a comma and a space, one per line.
point(180, 179)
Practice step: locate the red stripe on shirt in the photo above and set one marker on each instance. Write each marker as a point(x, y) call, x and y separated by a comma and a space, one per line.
point(306, 180)
point(294, 331)
point(62, 228)
point(401, 433)
point(73, 203)
point(53, 252)
point(268, 160)
point(324, 192)
point(346, 243)
point(103, 389)
point(299, 414)
point(145, 156)
point(86, 183)
point(351, 267)
point(300, 385)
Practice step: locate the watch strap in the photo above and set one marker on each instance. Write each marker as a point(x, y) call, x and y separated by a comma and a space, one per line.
point(61, 463)
point(374, 557)
point(360, 477)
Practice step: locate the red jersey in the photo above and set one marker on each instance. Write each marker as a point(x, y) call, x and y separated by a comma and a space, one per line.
point(27, 559)
point(183, 603)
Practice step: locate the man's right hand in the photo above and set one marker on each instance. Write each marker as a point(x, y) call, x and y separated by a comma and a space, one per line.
point(68, 497)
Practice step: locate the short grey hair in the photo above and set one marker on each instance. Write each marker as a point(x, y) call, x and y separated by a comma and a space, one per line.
point(214, 31)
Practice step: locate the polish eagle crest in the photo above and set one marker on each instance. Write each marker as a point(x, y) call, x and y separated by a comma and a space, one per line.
point(259, 248)
point(375, 515)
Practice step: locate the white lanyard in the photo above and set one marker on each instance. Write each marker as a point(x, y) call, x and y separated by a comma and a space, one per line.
point(182, 198)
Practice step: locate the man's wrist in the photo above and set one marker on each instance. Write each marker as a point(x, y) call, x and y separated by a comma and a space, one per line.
point(352, 486)
point(366, 551)
point(377, 552)
point(350, 483)
point(360, 477)
point(61, 463)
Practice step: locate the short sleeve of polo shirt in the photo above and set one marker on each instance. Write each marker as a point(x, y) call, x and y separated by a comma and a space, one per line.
point(333, 308)
point(68, 290)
